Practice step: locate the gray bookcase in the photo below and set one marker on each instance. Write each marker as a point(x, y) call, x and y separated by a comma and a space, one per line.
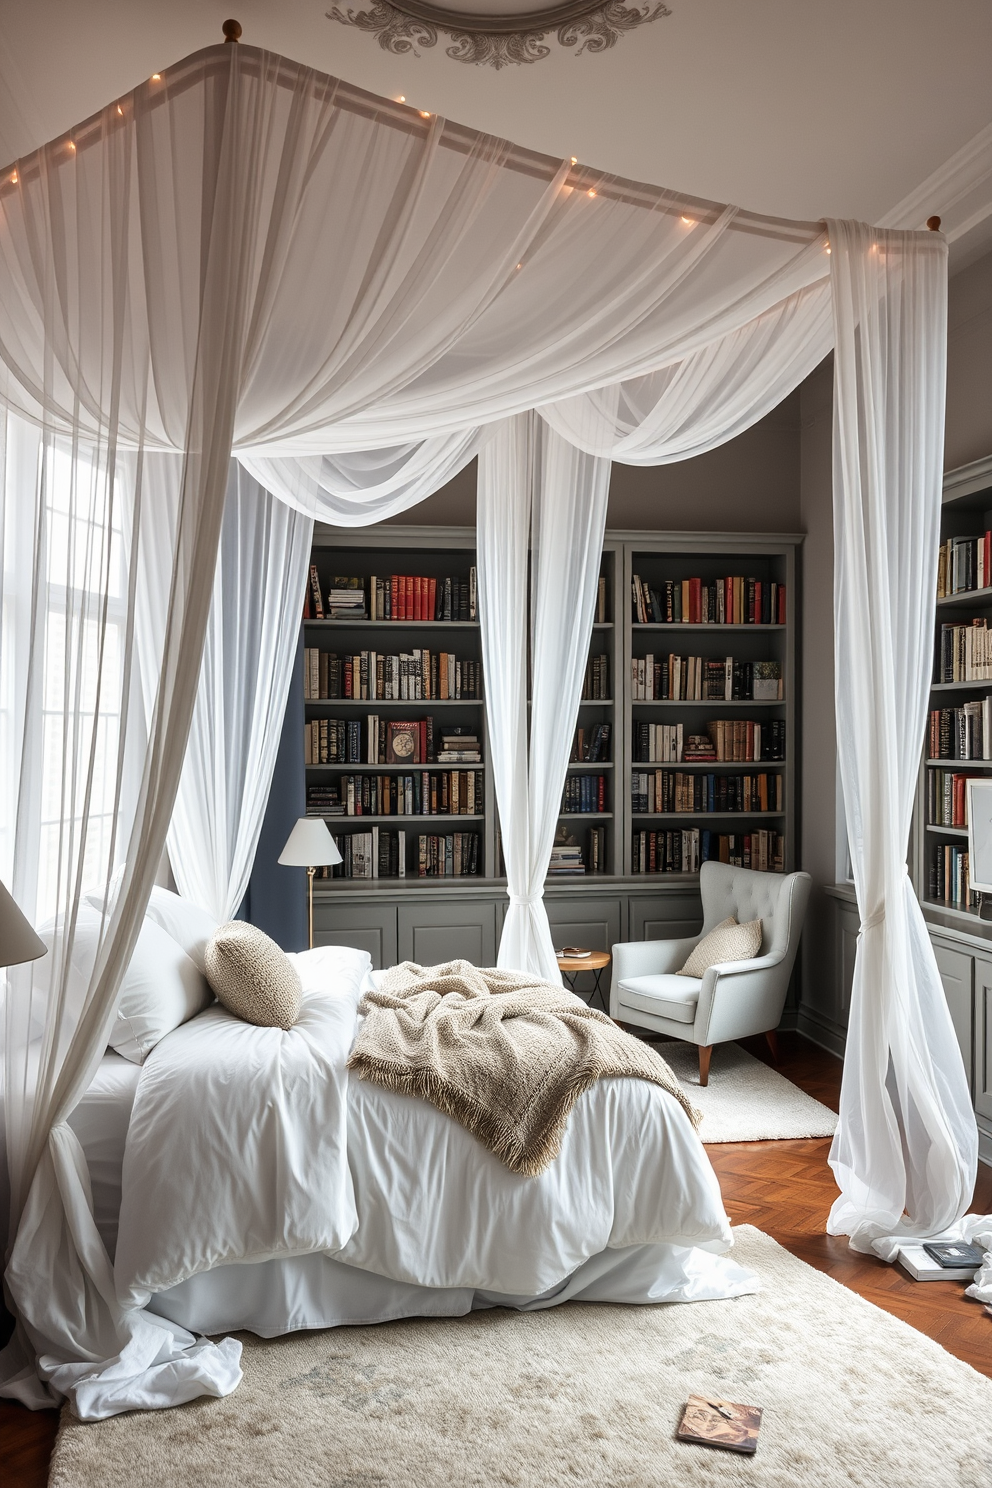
point(431, 919)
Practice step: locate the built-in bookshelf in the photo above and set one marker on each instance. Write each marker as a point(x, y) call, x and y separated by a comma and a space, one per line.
point(958, 744)
point(684, 745)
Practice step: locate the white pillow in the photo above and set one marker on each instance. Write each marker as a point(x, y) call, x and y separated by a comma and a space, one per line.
point(162, 987)
point(191, 926)
point(727, 941)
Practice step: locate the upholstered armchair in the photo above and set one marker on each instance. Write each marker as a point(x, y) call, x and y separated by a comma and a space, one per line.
point(731, 1000)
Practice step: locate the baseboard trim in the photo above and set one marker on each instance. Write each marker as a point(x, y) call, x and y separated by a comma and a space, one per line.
point(821, 1031)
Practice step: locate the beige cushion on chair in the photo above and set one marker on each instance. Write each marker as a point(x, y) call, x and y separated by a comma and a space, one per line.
point(728, 941)
point(663, 996)
point(252, 976)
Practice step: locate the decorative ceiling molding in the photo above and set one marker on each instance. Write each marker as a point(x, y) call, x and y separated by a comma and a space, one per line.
point(500, 40)
point(959, 191)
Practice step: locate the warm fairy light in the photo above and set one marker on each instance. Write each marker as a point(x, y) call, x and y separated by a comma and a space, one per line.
point(13, 182)
point(120, 111)
point(71, 145)
point(424, 114)
point(575, 160)
point(520, 266)
point(689, 221)
point(156, 77)
point(401, 98)
point(590, 192)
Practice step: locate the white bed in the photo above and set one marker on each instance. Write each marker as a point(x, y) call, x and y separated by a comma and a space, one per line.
point(241, 1180)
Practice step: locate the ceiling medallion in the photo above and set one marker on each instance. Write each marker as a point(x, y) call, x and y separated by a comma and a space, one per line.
point(497, 34)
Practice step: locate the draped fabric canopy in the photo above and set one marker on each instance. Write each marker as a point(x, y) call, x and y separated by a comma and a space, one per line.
point(244, 257)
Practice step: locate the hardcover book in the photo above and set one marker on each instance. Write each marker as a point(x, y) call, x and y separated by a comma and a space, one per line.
point(720, 1423)
point(403, 744)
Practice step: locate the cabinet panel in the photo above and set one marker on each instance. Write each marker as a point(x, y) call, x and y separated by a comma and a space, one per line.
point(983, 1037)
point(668, 917)
point(369, 927)
point(955, 969)
point(431, 933)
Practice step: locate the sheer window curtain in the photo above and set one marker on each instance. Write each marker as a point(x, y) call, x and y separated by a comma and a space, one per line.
point(250, 645)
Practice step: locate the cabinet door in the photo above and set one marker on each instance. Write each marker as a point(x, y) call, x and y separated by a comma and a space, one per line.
point(581, 920)
point(369, 927)
point(955, 969)
point(983, 1037)
point(665, 916)
point(432, 933)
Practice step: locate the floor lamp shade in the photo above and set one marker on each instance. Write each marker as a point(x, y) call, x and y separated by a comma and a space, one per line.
point(18, 940)
point(310, 845)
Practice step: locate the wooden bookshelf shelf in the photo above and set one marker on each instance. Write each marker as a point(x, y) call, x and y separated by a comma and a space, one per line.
point(691, 816)
point(959, 686)
point(659, 625)
point(713, 705)
point(947, 831)
point(431, 824)
point(387, 625)
point(965, 598)
point(960, 765)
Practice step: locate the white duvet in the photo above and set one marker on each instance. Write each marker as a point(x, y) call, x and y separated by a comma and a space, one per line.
point(247, 1144)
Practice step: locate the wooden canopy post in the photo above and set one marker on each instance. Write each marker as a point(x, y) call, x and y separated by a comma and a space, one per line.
point(933, 223)
point(232, 31)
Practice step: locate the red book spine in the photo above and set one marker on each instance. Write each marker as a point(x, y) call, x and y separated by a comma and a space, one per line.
point(695, 601)
point(408, 599)
point(958, 820)
point(423, 741)
point(432, 599)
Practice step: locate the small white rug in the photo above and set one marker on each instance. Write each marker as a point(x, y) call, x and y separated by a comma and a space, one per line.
point(746, 1101)
point(580, 1396)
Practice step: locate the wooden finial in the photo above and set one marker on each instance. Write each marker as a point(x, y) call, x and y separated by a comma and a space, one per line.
point(232, 30)
point(933, 223)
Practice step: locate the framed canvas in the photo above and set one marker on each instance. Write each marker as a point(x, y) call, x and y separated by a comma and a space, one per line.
point(980, 834)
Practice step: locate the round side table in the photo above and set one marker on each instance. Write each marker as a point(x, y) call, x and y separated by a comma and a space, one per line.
point(596, 962)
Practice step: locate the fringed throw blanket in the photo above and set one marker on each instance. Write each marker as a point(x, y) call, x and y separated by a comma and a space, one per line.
point(501, 1052)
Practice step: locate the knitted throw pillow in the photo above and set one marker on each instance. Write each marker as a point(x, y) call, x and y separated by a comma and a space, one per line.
point(252, 977)
point(728, 941)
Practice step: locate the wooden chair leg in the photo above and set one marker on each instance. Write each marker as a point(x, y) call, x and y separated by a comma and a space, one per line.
point(705, 1051)
point(772, 1038)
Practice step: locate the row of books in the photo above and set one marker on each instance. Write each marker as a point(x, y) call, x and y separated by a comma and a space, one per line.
point(704, 678)
point(395, 597)
point(596, 682)
point(568, 859)
point(949, 878)
point(731, 601)
point(678, 790)
point(421, 793)
point(726, 739)
point(683, 850)
point(584, 793)
point(947, 798)
point(591, 746)
point(382, 741)
point(965, 653)
point(963, 733)
point(964, 563)
point(375, 854)
point(414, 675)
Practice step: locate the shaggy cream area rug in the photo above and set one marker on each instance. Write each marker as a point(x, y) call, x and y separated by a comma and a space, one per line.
point(746, 1100)
point(577, 1395)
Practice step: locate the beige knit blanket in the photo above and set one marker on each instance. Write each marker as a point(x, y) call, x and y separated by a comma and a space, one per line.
point(501, 1052)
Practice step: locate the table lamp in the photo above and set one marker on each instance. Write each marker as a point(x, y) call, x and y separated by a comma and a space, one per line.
point(310, 846)
point(18, 941)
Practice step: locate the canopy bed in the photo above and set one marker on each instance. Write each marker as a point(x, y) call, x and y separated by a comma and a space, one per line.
point(246, 294)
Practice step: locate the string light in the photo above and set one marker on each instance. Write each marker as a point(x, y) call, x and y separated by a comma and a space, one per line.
point(575, 160)
point(689, 221)
point(590, 192)
point(401, 98)
point(71, 145)
point(156, 77)
point(424, 114)
point(13, 182)
point(120, 111)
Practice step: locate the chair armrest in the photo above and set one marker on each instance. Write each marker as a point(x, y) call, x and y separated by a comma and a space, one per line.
point(739, 998)
point(650, 957)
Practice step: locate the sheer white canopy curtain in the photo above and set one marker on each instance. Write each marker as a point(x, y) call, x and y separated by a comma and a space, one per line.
point(243, 256)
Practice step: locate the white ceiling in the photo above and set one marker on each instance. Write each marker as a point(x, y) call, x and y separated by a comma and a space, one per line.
point(802, 108)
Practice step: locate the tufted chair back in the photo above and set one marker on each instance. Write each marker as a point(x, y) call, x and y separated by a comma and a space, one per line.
point(776, 900)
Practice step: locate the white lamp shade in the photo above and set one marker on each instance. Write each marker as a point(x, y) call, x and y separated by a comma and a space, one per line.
point(18, 941)
point(310, 845)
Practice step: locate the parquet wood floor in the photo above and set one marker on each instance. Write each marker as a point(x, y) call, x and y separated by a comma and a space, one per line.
point(784, 1188)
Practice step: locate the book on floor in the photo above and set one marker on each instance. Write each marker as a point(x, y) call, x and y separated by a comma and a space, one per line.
point(923, 1267)
point(720, 1423)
